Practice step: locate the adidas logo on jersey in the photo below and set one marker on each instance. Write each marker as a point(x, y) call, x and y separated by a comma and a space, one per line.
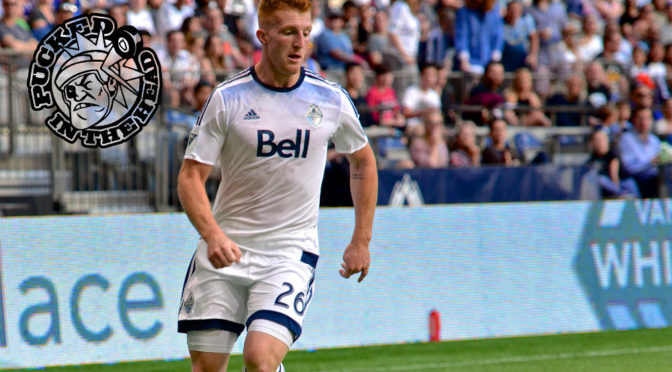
point(251, 115)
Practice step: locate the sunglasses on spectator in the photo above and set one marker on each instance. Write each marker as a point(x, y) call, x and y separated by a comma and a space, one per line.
point(67, 7)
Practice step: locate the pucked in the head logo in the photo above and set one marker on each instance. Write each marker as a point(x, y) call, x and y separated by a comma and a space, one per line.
point(103, 85)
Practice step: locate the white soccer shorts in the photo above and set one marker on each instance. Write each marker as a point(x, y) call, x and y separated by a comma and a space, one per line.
point(277, 289)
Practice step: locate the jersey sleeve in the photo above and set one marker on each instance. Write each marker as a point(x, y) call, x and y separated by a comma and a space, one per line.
point(349, 136)
point(207, 136)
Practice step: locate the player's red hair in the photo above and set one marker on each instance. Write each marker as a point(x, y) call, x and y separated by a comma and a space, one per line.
point(267, 8)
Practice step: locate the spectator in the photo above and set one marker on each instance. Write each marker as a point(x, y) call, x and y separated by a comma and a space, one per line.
point(181, 68)
point(521, 41)
point(639, 152)
point(639, 59)
point(383, 101)
point(589, 45)
point(521, 96)
point(465, 151)
point(196, 46)
point(616, 50)
point(565, 56)
point(379, 47)
point(430, 150)
point(309, 62)
point(657, 71)
point(441, 40)
point(596, 80)
point(479, 35)
point(609, 10)
point(318, 21)
point(624, 124)
point(214, 53)
point(489, 94)
point(364, 29)
point(663, 126)
point(550, 18)
point(573, 98)
point(192, 25)
point(422, 98)
point(65, 11)
point(117, 10)
point(350, 18)
point(404, 31)
point(354, 85)
point(12, 35)
point(659, 11)
point(641, 95)
point(139, 16)
point(334, 47)
point(612, 58)
point(213, 23)
point(497, 152)
point(666, 28)
point(606, 161)
point(607, 118)
point(645, 21)
point(202, 91)
point(171, 15)
point(630, 13)
point(41, 18)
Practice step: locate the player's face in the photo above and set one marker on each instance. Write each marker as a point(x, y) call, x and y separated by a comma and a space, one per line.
point(286, 41)
point(89, 101)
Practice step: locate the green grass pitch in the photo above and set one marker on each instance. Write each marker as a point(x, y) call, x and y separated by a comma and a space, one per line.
point(634, 350)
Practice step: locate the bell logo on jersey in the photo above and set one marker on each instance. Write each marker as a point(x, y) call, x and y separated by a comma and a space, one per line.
point(287, 148)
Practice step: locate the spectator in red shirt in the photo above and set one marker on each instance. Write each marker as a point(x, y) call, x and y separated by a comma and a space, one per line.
point(383, 101)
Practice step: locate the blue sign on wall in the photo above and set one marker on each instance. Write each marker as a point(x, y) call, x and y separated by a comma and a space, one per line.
point(487, 184)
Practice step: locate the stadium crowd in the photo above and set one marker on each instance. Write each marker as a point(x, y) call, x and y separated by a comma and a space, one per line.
point(603, 64)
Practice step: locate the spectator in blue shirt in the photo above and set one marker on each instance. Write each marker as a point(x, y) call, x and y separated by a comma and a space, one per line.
point(479, 35)
point(550, 18)
point(639, 150)
point(521, 39)
point(334, 47)
point(441, 40)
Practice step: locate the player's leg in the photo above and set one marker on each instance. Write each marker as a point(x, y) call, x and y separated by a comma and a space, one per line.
point(208, 362)
point(264, 352)
point(277, 304)
point(210, 349)
point(212, 313)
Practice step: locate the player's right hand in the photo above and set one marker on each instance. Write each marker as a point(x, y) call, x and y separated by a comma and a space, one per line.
point(222, 251)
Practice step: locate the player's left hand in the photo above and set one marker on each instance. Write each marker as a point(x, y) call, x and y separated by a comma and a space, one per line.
point(356, 259)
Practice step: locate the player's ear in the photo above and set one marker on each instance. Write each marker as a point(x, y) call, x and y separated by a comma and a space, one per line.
point(261, 35)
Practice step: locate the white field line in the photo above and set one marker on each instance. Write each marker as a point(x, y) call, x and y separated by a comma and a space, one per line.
point(511, 359)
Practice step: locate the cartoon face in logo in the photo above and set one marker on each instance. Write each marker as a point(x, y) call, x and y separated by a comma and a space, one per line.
point(89, 98)
point(103, 83)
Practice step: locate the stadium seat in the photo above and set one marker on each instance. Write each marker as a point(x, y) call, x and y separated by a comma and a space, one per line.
point(528, 146)
point(391, 150)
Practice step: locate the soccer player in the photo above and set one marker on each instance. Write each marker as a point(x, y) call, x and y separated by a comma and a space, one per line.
point(268, 128)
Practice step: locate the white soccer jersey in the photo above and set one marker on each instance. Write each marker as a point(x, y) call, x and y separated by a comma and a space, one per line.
point(271, 144)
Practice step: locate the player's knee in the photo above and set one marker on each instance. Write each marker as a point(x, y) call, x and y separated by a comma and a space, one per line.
point(208, 362)
point(205, 365)
point(260, 362)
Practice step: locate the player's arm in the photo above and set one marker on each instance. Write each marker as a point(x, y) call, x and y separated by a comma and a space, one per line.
point(364, 189)
point(191, 191)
